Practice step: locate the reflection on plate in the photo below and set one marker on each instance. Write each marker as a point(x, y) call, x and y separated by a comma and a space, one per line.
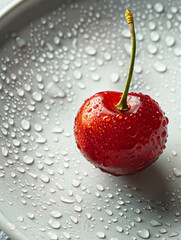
point(48, 190)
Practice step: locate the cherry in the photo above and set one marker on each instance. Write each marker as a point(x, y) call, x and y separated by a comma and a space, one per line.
point(121, 133)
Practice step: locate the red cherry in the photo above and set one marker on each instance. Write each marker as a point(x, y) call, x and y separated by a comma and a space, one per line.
point(121, 133)
point(120, 142)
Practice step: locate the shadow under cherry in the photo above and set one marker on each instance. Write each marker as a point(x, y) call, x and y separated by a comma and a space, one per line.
point(151, 183)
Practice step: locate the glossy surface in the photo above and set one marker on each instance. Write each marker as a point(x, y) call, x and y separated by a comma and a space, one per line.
point(121, 142)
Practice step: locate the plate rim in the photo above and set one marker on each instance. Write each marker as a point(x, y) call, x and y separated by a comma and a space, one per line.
point(10, 7)
point(4, 222)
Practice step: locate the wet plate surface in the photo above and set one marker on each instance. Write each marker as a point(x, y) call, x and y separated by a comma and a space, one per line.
point(47, 70)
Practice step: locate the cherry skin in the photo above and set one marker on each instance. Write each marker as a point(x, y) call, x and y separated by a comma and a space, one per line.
point(120, 142)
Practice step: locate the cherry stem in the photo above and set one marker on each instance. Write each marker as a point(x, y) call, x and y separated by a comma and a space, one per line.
point(122, 104)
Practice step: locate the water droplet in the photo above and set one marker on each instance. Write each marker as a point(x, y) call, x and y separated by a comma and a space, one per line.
point(74, 219)
point(138, 219)
point(119, 229)
point(59, 186)
point(1, 175)
point(100, 187)
point(28, 159)
point(137, 210)
point(95, 76)
point(37, 96)
point(158, 7)
point(74, 43)
point(76, 183)
point(48, 162)
point(144, 233)
point(41, 139)
point(56, 40)
point(173, 234)
point(155, 37)
point(107, 56)
point(99, 62)
point(138, 69)
point(30, 215)
point(79, 199)
point(163, 231)
point(177, 51)
point(152, 25)
point(67, 200)
point(115, 77)
point(101, 235)
point(140, 36)
point(27, 87)
point(77, 74)
point(54, 224)
point(90, 50)
point(54, 91)
point(20, 42)
point(155, 223)
point(89, 216)
point(20, 218)
point(52, 236)
point(176, 172)
point(44, 178)
point(4, 151)
point(152, 49)
point(77, 208)
point(33, 175)
point(160, 67)
point(109, 212)
point(25, 124)
point(38, 127)
point(170, 41)
point(174, 153)
point(66, 235)
point(20, 92)
point(20, 169)
point(13, 174)
point(81, 85)
point(57, 130)
point(16, 142)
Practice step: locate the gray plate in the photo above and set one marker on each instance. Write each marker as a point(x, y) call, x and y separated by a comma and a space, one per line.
point(55, 54)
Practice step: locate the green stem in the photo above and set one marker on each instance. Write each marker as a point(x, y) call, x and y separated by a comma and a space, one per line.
point(122, 104)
